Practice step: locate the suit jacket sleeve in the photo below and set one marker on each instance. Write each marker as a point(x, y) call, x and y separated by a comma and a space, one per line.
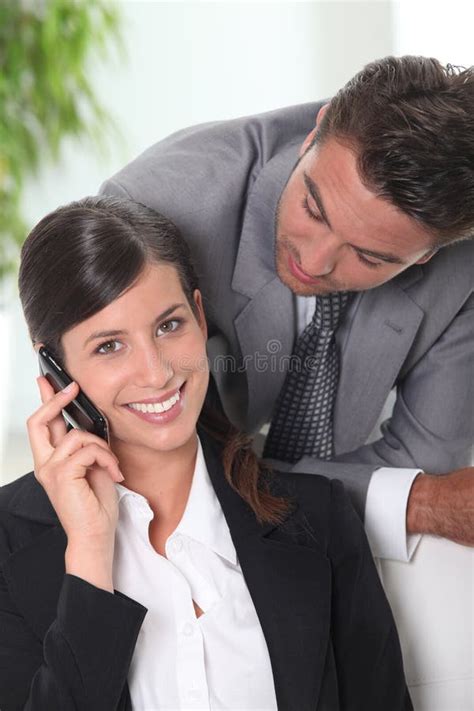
point(83, 662)
point(432, 424)
point(366, 648)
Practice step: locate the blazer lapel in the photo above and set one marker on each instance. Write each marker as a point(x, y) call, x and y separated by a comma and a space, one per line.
point(290, 585)
point(381, 334)
point(265, 327)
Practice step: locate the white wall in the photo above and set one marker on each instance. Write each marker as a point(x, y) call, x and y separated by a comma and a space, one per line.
point(435, 29)
point(190, 62)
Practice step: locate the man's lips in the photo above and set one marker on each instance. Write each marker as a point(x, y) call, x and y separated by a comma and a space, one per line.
point(299, 273)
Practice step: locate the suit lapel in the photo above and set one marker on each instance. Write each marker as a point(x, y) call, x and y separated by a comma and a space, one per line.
point(290, 585)
point(381, 334)
point(265, 327)
point(266, 344)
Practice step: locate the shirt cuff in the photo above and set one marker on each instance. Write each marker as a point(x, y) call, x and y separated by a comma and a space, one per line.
point(385, 514)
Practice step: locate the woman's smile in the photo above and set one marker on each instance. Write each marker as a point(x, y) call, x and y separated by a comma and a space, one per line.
point(161, 410)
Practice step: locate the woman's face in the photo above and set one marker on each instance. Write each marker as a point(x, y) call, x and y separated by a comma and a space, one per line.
point(145, 351)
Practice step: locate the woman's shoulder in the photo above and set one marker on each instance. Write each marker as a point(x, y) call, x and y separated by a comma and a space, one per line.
point(314, 490)
point(322, 505)
point(11, 493)
point(24, 511)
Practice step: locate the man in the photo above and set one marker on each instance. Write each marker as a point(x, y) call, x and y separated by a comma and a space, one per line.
point(347, 239)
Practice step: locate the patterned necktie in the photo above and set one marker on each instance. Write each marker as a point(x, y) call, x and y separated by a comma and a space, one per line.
point(302, 421)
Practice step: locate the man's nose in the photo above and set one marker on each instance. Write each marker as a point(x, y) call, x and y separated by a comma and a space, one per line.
point(320, 258)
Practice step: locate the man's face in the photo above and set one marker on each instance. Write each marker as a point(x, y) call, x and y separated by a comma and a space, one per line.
point(333, 234)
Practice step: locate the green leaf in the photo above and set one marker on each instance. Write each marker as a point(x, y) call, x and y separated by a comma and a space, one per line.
point(46, 95)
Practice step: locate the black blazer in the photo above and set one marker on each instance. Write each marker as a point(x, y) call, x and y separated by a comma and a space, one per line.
point(66, 645)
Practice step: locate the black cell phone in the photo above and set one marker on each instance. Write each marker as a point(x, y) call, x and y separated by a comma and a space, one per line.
point(80, 413)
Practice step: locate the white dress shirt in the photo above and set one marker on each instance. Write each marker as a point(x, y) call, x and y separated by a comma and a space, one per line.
point(389, 487)
point(217, 661)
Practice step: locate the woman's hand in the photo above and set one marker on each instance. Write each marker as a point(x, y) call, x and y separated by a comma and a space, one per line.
point(77, 470)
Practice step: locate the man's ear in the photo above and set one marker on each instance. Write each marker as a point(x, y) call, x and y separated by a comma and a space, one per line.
point(197, 296)
point(427, 256)
point(310, 137)
point(37, 346)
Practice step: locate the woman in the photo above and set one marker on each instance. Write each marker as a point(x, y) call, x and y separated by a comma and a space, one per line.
point(167, 570)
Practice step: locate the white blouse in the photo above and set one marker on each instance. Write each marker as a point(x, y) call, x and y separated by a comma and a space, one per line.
point(217, 661)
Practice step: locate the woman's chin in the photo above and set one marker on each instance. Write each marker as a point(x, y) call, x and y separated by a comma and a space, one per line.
point(159, 439)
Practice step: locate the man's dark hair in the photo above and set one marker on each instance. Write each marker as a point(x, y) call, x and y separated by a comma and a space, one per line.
point(411, 122)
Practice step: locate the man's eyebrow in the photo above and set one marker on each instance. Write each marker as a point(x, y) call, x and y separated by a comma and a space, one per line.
point(316, 195)
point(110, 334)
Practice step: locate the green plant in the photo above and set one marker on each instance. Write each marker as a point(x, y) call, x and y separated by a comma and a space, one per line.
point(46, 48)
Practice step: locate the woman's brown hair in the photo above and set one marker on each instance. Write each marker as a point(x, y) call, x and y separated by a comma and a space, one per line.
point(80, 258)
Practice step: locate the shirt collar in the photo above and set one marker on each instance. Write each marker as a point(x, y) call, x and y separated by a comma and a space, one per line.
point(203, 519)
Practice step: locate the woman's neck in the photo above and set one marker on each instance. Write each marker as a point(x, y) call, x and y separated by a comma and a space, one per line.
point(163, 478)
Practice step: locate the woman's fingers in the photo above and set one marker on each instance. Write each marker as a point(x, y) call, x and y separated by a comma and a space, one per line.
point(94, 455)
point(87, 455)
point(39, 423)
point(76, 440)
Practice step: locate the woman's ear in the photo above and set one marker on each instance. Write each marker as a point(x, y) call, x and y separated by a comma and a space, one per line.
point(201, 317)
point(310, 137)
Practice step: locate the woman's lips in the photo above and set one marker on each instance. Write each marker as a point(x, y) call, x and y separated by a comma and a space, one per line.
point(298, 273)
point(161, 418)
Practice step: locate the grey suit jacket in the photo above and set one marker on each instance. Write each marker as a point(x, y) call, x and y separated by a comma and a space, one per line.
point(220, 183)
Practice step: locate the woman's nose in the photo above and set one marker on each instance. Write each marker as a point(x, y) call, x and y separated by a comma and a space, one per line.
point(152, 368)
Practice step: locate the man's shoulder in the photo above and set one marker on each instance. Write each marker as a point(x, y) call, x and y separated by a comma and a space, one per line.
point(277, 126)
point(446, 281)
point(193, 156)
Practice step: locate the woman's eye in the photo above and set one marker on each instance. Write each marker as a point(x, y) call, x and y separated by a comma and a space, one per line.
point(115, 346)
point(313, 215)
point(169, 326)
point(107, 347)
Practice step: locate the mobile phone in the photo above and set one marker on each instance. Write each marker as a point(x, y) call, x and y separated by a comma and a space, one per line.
point(80, 413)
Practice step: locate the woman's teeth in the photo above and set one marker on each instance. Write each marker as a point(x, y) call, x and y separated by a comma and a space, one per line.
point(156, 406)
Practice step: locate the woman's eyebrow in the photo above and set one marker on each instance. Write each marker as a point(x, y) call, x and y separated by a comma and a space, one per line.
point(109, 334)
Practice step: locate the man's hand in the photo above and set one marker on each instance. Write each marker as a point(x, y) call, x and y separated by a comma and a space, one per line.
point(443, 505)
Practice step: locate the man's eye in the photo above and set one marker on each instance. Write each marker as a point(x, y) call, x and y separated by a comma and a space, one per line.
point(170, 326)
point(313, 215)
point(367, 262)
